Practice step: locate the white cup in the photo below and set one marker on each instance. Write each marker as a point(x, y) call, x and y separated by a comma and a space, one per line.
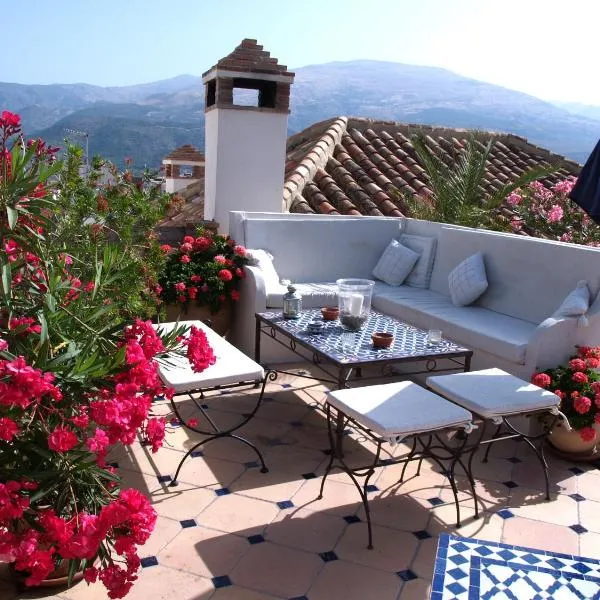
point(434, 336)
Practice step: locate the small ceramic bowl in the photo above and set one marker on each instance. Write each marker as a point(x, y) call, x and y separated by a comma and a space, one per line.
point(382, 339)
point(315, 327)
point(330, 313)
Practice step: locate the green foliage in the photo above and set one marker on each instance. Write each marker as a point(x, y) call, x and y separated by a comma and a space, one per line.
point(110, 208)
point(457, 186)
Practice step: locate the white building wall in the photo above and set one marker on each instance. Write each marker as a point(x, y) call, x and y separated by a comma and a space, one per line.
point(174, 184)
point(245, 162)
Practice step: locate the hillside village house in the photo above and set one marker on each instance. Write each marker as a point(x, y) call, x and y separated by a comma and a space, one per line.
point(236, 532)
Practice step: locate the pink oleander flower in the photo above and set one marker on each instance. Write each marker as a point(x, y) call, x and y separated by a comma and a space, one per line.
point(185, 259)
point(220, 259)
point(579, 377)
point(514, 198)
point(555, 214)
point(180, 287)
point(8, 429)
point(239, 250)
point(199, 352)
point(62, 439)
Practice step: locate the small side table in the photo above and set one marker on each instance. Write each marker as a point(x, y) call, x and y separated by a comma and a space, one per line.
point(495, 396)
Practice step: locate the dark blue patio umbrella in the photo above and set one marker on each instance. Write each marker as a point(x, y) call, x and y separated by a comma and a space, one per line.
point(586, 191)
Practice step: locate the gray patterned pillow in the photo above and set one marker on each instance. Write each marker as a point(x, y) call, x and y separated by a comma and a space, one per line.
point(395, 263)
point(468, 281)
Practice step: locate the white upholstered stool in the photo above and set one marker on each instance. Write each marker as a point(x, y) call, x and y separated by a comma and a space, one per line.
point(391, 413)
point(231, 369)
point(496, 396)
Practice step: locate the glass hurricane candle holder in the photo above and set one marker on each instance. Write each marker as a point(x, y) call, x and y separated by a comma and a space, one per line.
point(354, 300)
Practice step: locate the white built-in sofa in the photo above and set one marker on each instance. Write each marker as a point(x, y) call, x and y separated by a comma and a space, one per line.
point(511, 326)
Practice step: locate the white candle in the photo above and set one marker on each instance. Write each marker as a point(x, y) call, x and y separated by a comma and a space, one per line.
point(356, 302)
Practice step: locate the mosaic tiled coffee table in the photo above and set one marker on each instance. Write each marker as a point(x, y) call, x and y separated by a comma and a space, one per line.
point(470, 569)
point(410, 345)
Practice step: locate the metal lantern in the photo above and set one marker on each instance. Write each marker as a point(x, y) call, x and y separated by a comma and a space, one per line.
point(292, 303)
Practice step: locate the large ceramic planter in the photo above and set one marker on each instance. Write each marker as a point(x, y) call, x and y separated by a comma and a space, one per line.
point(219, 321)
point(570, 442)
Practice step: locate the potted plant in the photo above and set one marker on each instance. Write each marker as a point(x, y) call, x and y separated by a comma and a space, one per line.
point(201, 276)
point(577, 383)
point(75, 379)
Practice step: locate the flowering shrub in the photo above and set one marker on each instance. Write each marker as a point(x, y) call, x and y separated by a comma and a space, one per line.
point(578, 385)
point(74, 381)
point(551, 213)
point(204, 270)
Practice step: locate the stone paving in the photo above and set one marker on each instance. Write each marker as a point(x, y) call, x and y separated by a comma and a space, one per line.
point(230, 532)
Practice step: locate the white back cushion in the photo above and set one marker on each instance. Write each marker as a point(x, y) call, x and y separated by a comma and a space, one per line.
point(420, 276)
point(306, 250)
point(395, 263)
point(528, 277)
point(467, 281)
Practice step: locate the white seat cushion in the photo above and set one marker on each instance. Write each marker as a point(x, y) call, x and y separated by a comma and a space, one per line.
point(492, 393)
point(399, 409)
point(314, 295)
point(471, 326)
point(231, 366)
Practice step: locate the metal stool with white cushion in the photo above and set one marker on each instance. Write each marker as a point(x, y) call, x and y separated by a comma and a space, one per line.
point(231, 369)
point(496, 396)
point(392, 413)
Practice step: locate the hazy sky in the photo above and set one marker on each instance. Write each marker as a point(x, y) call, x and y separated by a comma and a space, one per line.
point(546, 48)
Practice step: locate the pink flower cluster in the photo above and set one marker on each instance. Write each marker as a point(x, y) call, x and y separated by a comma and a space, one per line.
point(199, 352)
point(128, 519)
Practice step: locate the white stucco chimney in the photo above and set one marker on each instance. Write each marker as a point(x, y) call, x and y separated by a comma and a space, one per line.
point(245, 144)
point(183, 166)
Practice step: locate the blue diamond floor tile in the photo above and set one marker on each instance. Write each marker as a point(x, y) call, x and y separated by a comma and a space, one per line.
point(222, 492)
point(435, 501)
point(309, 475)
point(577, 497)
point(149, 561)
point(505, 513)
point(351, 519)
point(188, 523)
point(197, 454)
point(285, 504)
point(164, 478)
point(406, 575)
point(576, 471)
point(221, 581)
point(578, 528)
point(328, 556)
point(251, 464)
point(372, 488)
point(422, 535)
point(256, 539)
point(471, 569)
point(510, 484)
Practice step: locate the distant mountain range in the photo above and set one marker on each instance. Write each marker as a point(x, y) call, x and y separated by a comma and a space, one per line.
point(147, 121)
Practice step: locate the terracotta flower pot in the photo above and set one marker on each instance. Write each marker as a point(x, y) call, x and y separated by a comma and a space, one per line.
point(219, 321)
point(571, 442)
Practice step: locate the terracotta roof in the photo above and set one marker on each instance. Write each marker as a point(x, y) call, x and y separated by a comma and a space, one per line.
point(186, 152)
point(192, 211)
point(357, 166)
point(250, 57)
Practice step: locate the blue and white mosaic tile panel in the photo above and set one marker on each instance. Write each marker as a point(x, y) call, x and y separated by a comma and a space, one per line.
point(470, 569)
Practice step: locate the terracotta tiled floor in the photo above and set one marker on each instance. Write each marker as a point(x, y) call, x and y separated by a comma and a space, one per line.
point(230, 532)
